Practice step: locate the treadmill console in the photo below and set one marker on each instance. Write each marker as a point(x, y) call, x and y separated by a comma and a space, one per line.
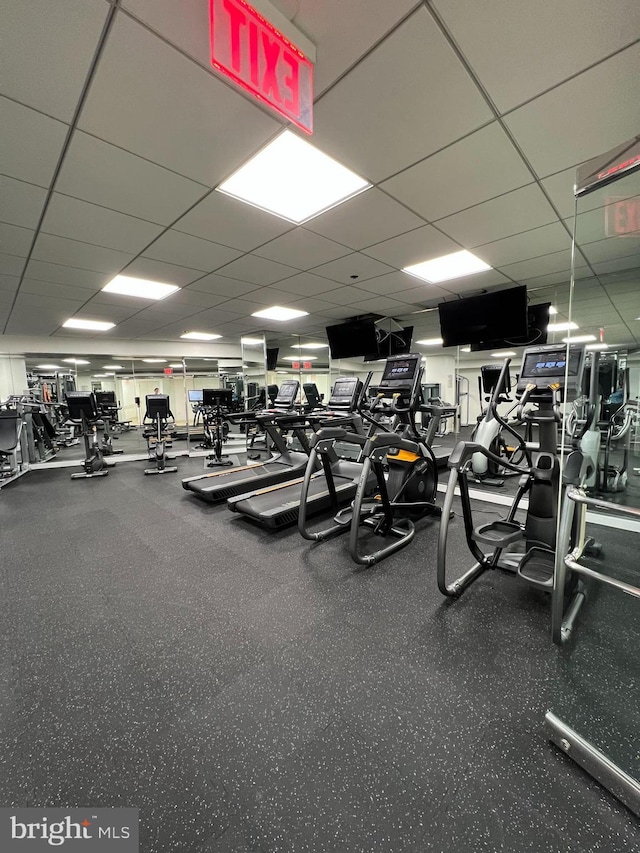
point(287, 394)
point(345, 393)
point(543, 366)
point(401, 372)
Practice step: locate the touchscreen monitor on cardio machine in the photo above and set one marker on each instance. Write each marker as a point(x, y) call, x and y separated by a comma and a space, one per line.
point(547, 365)
point(195, 396)
point(400, 373)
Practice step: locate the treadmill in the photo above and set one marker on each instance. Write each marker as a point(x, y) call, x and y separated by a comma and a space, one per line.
point(285, 464)
point(278, 505)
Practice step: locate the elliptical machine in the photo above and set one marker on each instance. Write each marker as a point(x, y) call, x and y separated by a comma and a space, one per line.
point(488, 431)
point(216, 403)
point(159, 413)
point(83, 410)
point(542, 381)
point(402, 463)
point(108, 408)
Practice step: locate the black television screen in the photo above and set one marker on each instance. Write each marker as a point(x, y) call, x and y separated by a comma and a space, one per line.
point(537, 323)
point(489, 317)
point(272, 357)
point(397, 342)
point(352, 339)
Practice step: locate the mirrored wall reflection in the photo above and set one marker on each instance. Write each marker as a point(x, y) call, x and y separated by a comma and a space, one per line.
point(594, 712)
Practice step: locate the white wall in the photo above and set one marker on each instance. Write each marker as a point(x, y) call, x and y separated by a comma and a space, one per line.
point(13, 376)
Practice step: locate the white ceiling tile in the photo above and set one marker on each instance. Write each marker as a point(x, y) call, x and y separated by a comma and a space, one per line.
point(250, 268)
point(60, 250)
point(105, 175)
point(20, 203)
point(307, 284)
point(312, 306)
point(562, 277)
point(358, 120)
point(197, 298)
point(231, 222)
point(144, 267)
point(15, 240)
point(11, 264)
point(229, 287)
point(302, 249)
point(352, 269)
point(9, 283)
point(558, 129)
point(530, 244)
point(521, 49)
point(618, 265)
point(477, 168)
point(347, 296)
point(183, 249)
point(57, 291)
point(343, 31)
point(339, 312)
point(72, 276)
point(414, 246)
point(555, 262)
point(47, 49)
point(378, 304)
point(174, 113)
point(369, 218)
point(31, 143)
point(508, 214)
point(79, 220)
point(611, 249)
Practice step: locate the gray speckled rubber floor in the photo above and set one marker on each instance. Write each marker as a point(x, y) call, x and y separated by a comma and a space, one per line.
point(250, 692)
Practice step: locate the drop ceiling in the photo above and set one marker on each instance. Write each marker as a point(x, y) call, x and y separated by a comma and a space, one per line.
point(469, 120)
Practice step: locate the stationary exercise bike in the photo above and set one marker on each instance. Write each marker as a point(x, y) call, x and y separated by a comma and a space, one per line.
point(401, 461)
point(83, 410)
point(158, 413)
point(216, 403)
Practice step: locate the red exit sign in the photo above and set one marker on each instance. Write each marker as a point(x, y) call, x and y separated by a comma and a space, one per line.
point(622, 217)
point(255, 55)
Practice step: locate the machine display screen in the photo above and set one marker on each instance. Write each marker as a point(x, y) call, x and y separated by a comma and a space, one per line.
point(343, 390)
point(288, 392)
point(195, 396)
point(401, 369)
point(552, 363)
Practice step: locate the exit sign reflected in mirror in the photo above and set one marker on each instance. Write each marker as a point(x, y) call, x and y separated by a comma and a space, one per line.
point(256, 56)
point(622, 217)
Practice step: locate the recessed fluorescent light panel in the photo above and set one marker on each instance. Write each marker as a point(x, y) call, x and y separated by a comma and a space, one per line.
point(277, 312)
point(430, 342)
point(47, 366)
point(561, 327)
point(75, 361)
point(293, 179)
point(199, 336)
point(552, 310)
point(447, 267)
point(141, 287)
point(89, 325)
point(597, 346)
point(578, 339)
point(301, 357)
point(504, 354)
point(310, 346)
point(154, 360)
point(112, 367)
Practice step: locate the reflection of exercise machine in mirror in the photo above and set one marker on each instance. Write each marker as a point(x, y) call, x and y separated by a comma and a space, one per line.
point(216, 406)
point(83, 410)
point(601, 419)
point(160, 424)
point(491, 429)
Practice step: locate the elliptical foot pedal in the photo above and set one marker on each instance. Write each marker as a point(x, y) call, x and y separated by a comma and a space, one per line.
point(537, 567)
point(498, 534)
